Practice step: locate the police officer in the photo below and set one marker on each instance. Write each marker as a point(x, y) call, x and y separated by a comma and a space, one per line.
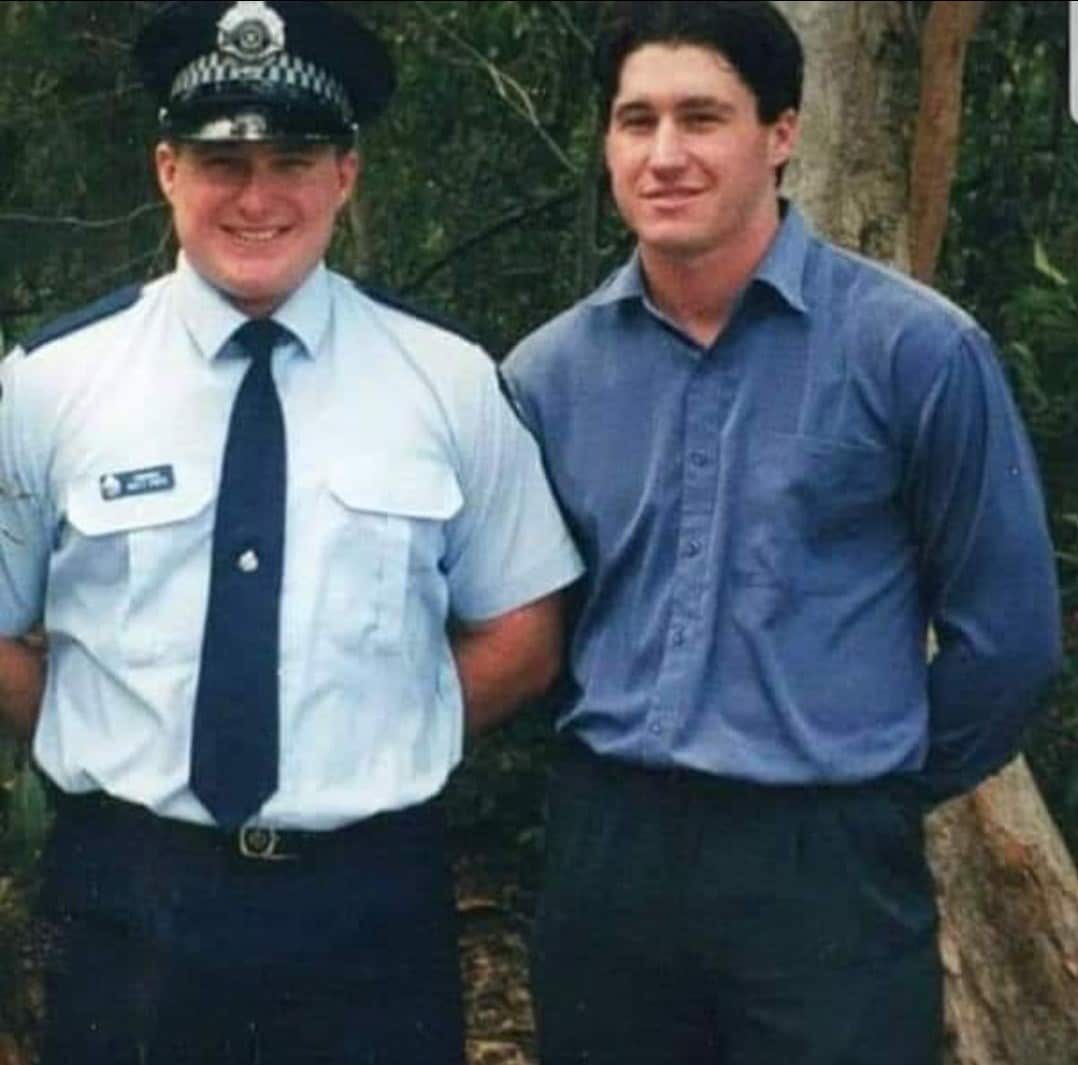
point(287, 542)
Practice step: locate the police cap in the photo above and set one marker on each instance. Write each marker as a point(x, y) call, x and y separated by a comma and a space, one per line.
point(254, 71)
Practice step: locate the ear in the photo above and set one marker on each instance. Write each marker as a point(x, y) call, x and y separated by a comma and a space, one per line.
point(165, 159)
point(783, 136)
point(349, 175)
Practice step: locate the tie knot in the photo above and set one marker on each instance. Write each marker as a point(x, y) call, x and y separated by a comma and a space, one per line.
point(259, 336)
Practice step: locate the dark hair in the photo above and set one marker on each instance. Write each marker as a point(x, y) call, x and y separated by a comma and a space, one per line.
point(752, 35)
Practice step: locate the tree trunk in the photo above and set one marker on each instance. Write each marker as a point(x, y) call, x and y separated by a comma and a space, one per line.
point(1008, 889)
point(947, 31)
point(850, 173)
point(1009, 900)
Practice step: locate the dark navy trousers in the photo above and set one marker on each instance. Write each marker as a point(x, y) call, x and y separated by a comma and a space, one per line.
point(692, 921)
point(167, 947)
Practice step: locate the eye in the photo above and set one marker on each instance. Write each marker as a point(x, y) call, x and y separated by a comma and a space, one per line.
point(703, 120)
point(636, 121)
point(220, 165)
point(293, 164)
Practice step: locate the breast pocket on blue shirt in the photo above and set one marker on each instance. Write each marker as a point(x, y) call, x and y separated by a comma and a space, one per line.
point(131, 570)
point(816, 514)
point(385, 543)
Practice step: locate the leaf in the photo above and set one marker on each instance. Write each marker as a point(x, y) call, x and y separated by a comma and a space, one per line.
point(28, 812)
point(1043, 267)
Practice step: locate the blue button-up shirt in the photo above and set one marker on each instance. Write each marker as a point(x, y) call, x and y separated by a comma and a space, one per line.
point(771, 524)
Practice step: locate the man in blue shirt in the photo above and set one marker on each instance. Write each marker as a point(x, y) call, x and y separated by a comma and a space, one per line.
point(287, 541)
point(783, 464)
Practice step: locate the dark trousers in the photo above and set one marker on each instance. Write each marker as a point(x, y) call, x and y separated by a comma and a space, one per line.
point(689, 921)
point(169, 948)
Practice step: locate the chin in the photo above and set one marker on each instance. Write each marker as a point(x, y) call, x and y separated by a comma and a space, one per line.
point(674, 246)
point(254, 299)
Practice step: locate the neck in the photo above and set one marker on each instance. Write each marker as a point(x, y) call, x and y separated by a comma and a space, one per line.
point(698, 291)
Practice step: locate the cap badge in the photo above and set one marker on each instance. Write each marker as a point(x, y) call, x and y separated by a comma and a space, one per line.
point(251, 32)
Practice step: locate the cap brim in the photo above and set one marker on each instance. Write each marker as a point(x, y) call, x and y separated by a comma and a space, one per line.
point(225, 114)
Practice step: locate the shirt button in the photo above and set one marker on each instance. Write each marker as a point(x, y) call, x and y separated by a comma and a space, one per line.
point(679, 636)
point(693, 548)
point(698, 459)
point(655, 728)
point(247, 562)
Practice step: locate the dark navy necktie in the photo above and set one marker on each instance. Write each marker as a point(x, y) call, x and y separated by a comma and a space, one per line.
point(234, 747)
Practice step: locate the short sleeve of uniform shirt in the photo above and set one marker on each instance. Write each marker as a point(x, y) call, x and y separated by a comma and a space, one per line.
point(24, 515)
point(507, 544)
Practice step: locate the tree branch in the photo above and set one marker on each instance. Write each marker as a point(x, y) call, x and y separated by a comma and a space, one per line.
point(30, 219)
point(507, 87)
point(31, 118)
point(98, 282)
point(561, 10)
point(499, 225)
point(947, 31)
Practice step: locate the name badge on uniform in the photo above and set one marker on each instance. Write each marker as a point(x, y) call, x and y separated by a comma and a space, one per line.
point(137, 482)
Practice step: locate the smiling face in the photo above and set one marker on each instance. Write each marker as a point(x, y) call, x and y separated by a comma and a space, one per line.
point(692, 167)
point(255, 219)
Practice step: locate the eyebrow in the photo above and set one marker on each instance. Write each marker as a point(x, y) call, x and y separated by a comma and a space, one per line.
point(705, 103)
point(630, 108)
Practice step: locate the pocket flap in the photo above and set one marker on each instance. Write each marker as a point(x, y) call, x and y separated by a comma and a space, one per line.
point(414, 489)
point(95, 512)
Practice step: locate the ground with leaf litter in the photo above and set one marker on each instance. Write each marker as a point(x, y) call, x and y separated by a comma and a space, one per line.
point(495, 923)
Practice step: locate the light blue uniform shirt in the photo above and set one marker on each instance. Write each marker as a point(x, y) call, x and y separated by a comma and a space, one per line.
point(414, 494)
point(770, 525)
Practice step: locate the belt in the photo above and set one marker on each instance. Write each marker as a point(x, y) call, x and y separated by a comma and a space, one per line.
point(253, 843)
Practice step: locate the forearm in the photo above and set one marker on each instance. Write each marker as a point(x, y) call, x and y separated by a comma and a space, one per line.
point(987, 569)
point(981, 701)
point(504, 663)
point(22, 682)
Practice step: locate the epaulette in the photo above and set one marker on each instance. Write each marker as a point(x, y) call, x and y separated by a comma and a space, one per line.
point(391, 299)
point(108, 305)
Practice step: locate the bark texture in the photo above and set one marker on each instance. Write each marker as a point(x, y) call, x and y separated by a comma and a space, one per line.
point(850, 174)
point(947, 31)
point(1009, 903)
point(1008, 889)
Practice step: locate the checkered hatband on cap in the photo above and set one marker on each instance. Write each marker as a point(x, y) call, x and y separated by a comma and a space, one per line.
point(217, 71)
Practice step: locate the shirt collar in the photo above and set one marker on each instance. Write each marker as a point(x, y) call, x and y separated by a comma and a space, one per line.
point(626, 283)
point(782, 268)
point(210, 318)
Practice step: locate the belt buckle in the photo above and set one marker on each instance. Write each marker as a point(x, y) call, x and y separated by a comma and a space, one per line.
point(261, 844)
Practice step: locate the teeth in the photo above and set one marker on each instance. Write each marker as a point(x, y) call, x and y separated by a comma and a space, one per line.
point(256, 236)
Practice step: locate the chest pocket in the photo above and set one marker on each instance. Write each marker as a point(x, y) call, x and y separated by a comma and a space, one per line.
point(139, 563)
point(386, 544)
point(816, 513)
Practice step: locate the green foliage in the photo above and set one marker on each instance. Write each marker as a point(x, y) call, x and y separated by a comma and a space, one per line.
point(478, 174)
point(71, 125)
point(24, 820)
point(495, 800)
point(476, 191)
point(1018, 170)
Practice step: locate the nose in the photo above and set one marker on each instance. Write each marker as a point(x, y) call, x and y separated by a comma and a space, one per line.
point(667, 147)
point(255, 194)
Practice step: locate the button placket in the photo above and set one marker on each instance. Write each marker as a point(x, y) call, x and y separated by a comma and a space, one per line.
point(698, 493)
